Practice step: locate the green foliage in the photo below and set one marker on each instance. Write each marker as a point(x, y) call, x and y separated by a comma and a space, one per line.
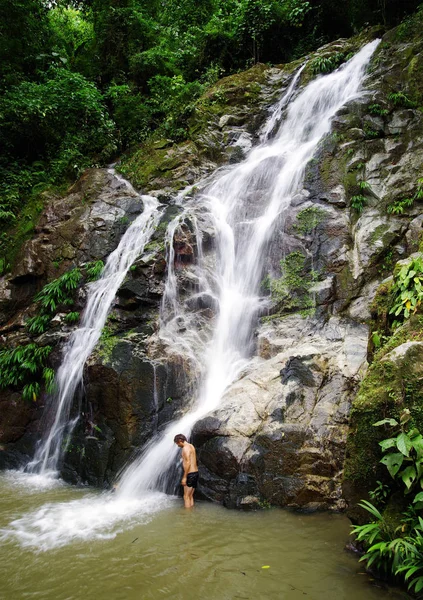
point(72, 317)
point(399, 551)
point(399, 99)
point(404, 454)
point(61, 118)
point(107, 342)
point(407, 291)
point(327, 64)
point(292, 290)
point(59, 290)
point(308, 219)
point(372, 134)
point(357, 202)
point(377, 110)
point(38, 324)
point(399, 206)
point(25, 366)
point(93, 270)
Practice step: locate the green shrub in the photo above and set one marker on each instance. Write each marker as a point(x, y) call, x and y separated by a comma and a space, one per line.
point(399, 99)
point(26, 366)
point(327, 64)
point(357, 202)
point(93, 270)
point(407, 291)
point(72, 317)
point(59, 290)
point(377, 110)
point(397, 551)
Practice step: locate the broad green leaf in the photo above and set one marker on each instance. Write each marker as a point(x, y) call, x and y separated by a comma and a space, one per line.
point(404, 444)
point(393, 463)
point(418, 498)
point(388, 443)
point(409, 476)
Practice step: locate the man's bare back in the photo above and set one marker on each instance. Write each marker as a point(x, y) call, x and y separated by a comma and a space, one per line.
point(189, 463)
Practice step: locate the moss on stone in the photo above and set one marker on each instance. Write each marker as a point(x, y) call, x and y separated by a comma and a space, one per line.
point(388, 387)
point(308, 219)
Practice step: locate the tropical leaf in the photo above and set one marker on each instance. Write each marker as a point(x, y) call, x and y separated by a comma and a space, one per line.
point(393, 462)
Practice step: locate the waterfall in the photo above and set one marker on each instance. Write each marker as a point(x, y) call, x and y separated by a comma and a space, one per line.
point(243, 205)
point(101, 294)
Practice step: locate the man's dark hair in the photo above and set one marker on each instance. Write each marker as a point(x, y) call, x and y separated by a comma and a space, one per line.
point(179, 438)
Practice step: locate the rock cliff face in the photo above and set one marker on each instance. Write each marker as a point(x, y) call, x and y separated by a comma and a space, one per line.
point(280, 433)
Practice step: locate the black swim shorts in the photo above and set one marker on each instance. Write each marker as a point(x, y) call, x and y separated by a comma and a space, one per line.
point(192, 479)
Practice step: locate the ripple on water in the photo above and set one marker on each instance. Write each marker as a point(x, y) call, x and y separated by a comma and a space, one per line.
point(90, 518)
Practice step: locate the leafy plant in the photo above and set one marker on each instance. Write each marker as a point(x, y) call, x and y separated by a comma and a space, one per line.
point(72, 317)
point(407, 291)
point(399, 206)
point(377, 110)
point(401, 100)
point(407, 462)
point(357, 202)
point(380, 493)
point(397, 551)
point(327, 64)
point(24, 366)
point(38, 324)
point(370, 133)
point(58, 291)
point(94, 269)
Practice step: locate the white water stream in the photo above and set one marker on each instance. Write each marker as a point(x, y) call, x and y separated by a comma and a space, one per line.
point(243, 206)
point(100, 296)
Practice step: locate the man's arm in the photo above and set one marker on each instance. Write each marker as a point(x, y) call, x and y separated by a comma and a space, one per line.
point(186, 462)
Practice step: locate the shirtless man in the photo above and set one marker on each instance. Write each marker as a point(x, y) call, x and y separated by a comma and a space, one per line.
point(189, 462)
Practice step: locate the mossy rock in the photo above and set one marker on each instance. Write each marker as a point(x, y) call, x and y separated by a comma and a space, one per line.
point(392, 383)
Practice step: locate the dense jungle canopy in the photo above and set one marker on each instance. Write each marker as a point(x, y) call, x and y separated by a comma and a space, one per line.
point(82, 82)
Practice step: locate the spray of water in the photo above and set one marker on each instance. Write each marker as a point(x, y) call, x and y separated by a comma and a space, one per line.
point(100, 296)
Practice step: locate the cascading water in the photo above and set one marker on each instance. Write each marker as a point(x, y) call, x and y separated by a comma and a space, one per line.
point(83, 340)
point(242, 206)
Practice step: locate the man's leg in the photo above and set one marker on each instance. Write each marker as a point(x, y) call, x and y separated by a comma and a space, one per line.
point(191, 496)
point(187, 497)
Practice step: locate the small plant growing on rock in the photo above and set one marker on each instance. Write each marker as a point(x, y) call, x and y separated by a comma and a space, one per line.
point(407, 291)
point(72, 317)
point(94, 269)
point(357, 202)
point(371, 134)
point(292, 290)
point(377, 110)
point(58, 291)
point(308, 219)
point(327, 64)
point(399, 206)
point(399, 99)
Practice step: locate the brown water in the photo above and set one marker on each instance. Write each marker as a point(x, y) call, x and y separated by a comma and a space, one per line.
point(209, 553)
